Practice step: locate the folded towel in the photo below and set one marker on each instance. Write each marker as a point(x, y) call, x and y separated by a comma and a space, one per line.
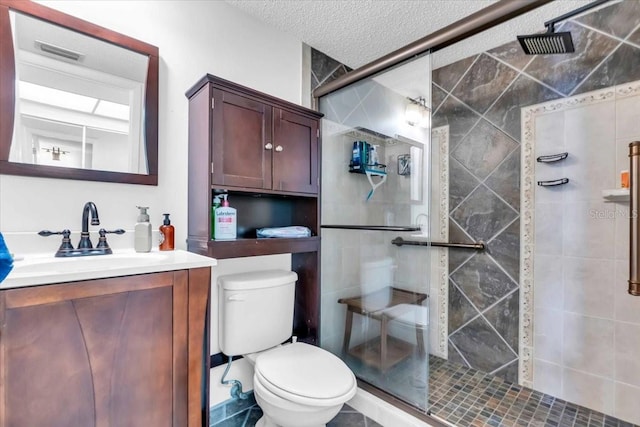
point(6, 260)
point(286, 232)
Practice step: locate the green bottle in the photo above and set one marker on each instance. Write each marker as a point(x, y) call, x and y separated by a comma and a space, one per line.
point(216, 205)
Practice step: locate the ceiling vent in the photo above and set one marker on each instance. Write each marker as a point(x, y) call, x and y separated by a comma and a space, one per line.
point(59, 51)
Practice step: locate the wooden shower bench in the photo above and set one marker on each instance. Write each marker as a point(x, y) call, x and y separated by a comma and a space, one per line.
point(385, 305)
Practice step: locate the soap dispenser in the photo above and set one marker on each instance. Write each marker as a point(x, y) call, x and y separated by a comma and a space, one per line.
point(166, 234)
point(142, 240)
point(226, 225)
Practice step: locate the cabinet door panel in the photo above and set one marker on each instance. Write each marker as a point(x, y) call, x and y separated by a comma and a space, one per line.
point(295, 165)
point(100, 330)
point(71, 356)
point(141, 389)
point(241, 131)
point(40, 343)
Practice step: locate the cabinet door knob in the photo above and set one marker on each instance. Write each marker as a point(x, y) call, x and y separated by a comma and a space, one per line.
point(269, 146)
point(279, 148)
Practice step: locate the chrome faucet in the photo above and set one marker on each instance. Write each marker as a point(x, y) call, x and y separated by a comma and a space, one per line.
point(89, 208)
point(85, 247)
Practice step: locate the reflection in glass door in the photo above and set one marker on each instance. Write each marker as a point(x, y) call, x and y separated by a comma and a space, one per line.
point(378, 298)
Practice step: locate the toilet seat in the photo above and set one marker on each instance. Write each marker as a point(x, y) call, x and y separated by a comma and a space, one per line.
point(305, 374)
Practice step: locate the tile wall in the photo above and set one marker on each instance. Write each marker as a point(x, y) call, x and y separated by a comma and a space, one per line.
point(480, 99)
point(325, 69)
point(586, 325)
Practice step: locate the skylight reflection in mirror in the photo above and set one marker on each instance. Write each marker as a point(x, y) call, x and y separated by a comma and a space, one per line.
point(66, 80)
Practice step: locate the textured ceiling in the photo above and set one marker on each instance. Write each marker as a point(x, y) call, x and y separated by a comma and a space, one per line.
point(356, 32)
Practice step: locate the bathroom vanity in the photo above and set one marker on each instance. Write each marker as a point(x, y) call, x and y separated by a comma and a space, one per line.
point(113, 340)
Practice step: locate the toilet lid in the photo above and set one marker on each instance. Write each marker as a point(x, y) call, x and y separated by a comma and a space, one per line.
point(306, 371)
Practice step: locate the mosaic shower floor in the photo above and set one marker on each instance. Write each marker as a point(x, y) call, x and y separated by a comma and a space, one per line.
point(466, 397)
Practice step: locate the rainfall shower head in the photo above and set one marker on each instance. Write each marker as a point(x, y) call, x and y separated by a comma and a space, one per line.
point(552, 42)
point(547, 43)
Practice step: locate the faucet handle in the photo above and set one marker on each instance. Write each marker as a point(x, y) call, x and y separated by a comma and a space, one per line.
point(102, 231)
point(66, 241)
point(47, 233)
point(102, 241)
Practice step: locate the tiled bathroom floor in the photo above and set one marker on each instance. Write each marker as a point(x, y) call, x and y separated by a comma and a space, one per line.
point(248, 416)
point(460, 395)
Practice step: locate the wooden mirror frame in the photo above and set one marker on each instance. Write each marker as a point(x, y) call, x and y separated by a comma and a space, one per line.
point(7, 96)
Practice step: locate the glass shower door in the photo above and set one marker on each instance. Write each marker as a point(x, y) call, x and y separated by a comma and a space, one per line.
point(376, 180)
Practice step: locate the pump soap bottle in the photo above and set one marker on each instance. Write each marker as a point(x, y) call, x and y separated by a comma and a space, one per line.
point(226, 225)
point(166, 234)
point(142, 240)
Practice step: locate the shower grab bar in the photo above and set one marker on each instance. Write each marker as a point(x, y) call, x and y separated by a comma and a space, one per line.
point(634, 221)
point(374, 227)
point(552, 158)
point(399, 241)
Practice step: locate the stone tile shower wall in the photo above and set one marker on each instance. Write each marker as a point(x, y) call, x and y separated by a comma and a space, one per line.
point(325, 69)
point(480, 99)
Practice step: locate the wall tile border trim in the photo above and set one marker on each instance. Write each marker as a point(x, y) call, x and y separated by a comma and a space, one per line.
point(440, 142)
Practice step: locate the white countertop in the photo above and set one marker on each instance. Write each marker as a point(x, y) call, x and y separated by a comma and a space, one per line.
point(42, 269)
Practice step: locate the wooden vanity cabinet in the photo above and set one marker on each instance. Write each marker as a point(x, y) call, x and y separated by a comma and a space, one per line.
point(125, 351)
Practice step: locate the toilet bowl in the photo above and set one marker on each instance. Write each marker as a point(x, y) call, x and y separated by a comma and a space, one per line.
point(296, 385)
point(300, 385)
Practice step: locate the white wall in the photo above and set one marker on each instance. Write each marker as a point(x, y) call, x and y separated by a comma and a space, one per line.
point(194, 38)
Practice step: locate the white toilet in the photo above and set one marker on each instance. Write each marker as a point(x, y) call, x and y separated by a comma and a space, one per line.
point(296, 385)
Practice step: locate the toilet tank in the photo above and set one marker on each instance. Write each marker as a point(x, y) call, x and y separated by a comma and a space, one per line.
point(376, 274)
point(255, 310)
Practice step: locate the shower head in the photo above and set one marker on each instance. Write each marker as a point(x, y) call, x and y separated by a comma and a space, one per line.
point(552, 42)
point(547, 43)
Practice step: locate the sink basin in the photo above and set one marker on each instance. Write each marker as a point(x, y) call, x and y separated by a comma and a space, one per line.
point(39, 269)
point(48, 265)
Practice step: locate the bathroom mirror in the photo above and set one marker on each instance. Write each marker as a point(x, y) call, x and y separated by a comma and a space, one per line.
point(77, 101)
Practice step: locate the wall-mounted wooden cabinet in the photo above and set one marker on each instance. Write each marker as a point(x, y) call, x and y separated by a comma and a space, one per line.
point(256, 145)
point(265, 153)
point(125, 351)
